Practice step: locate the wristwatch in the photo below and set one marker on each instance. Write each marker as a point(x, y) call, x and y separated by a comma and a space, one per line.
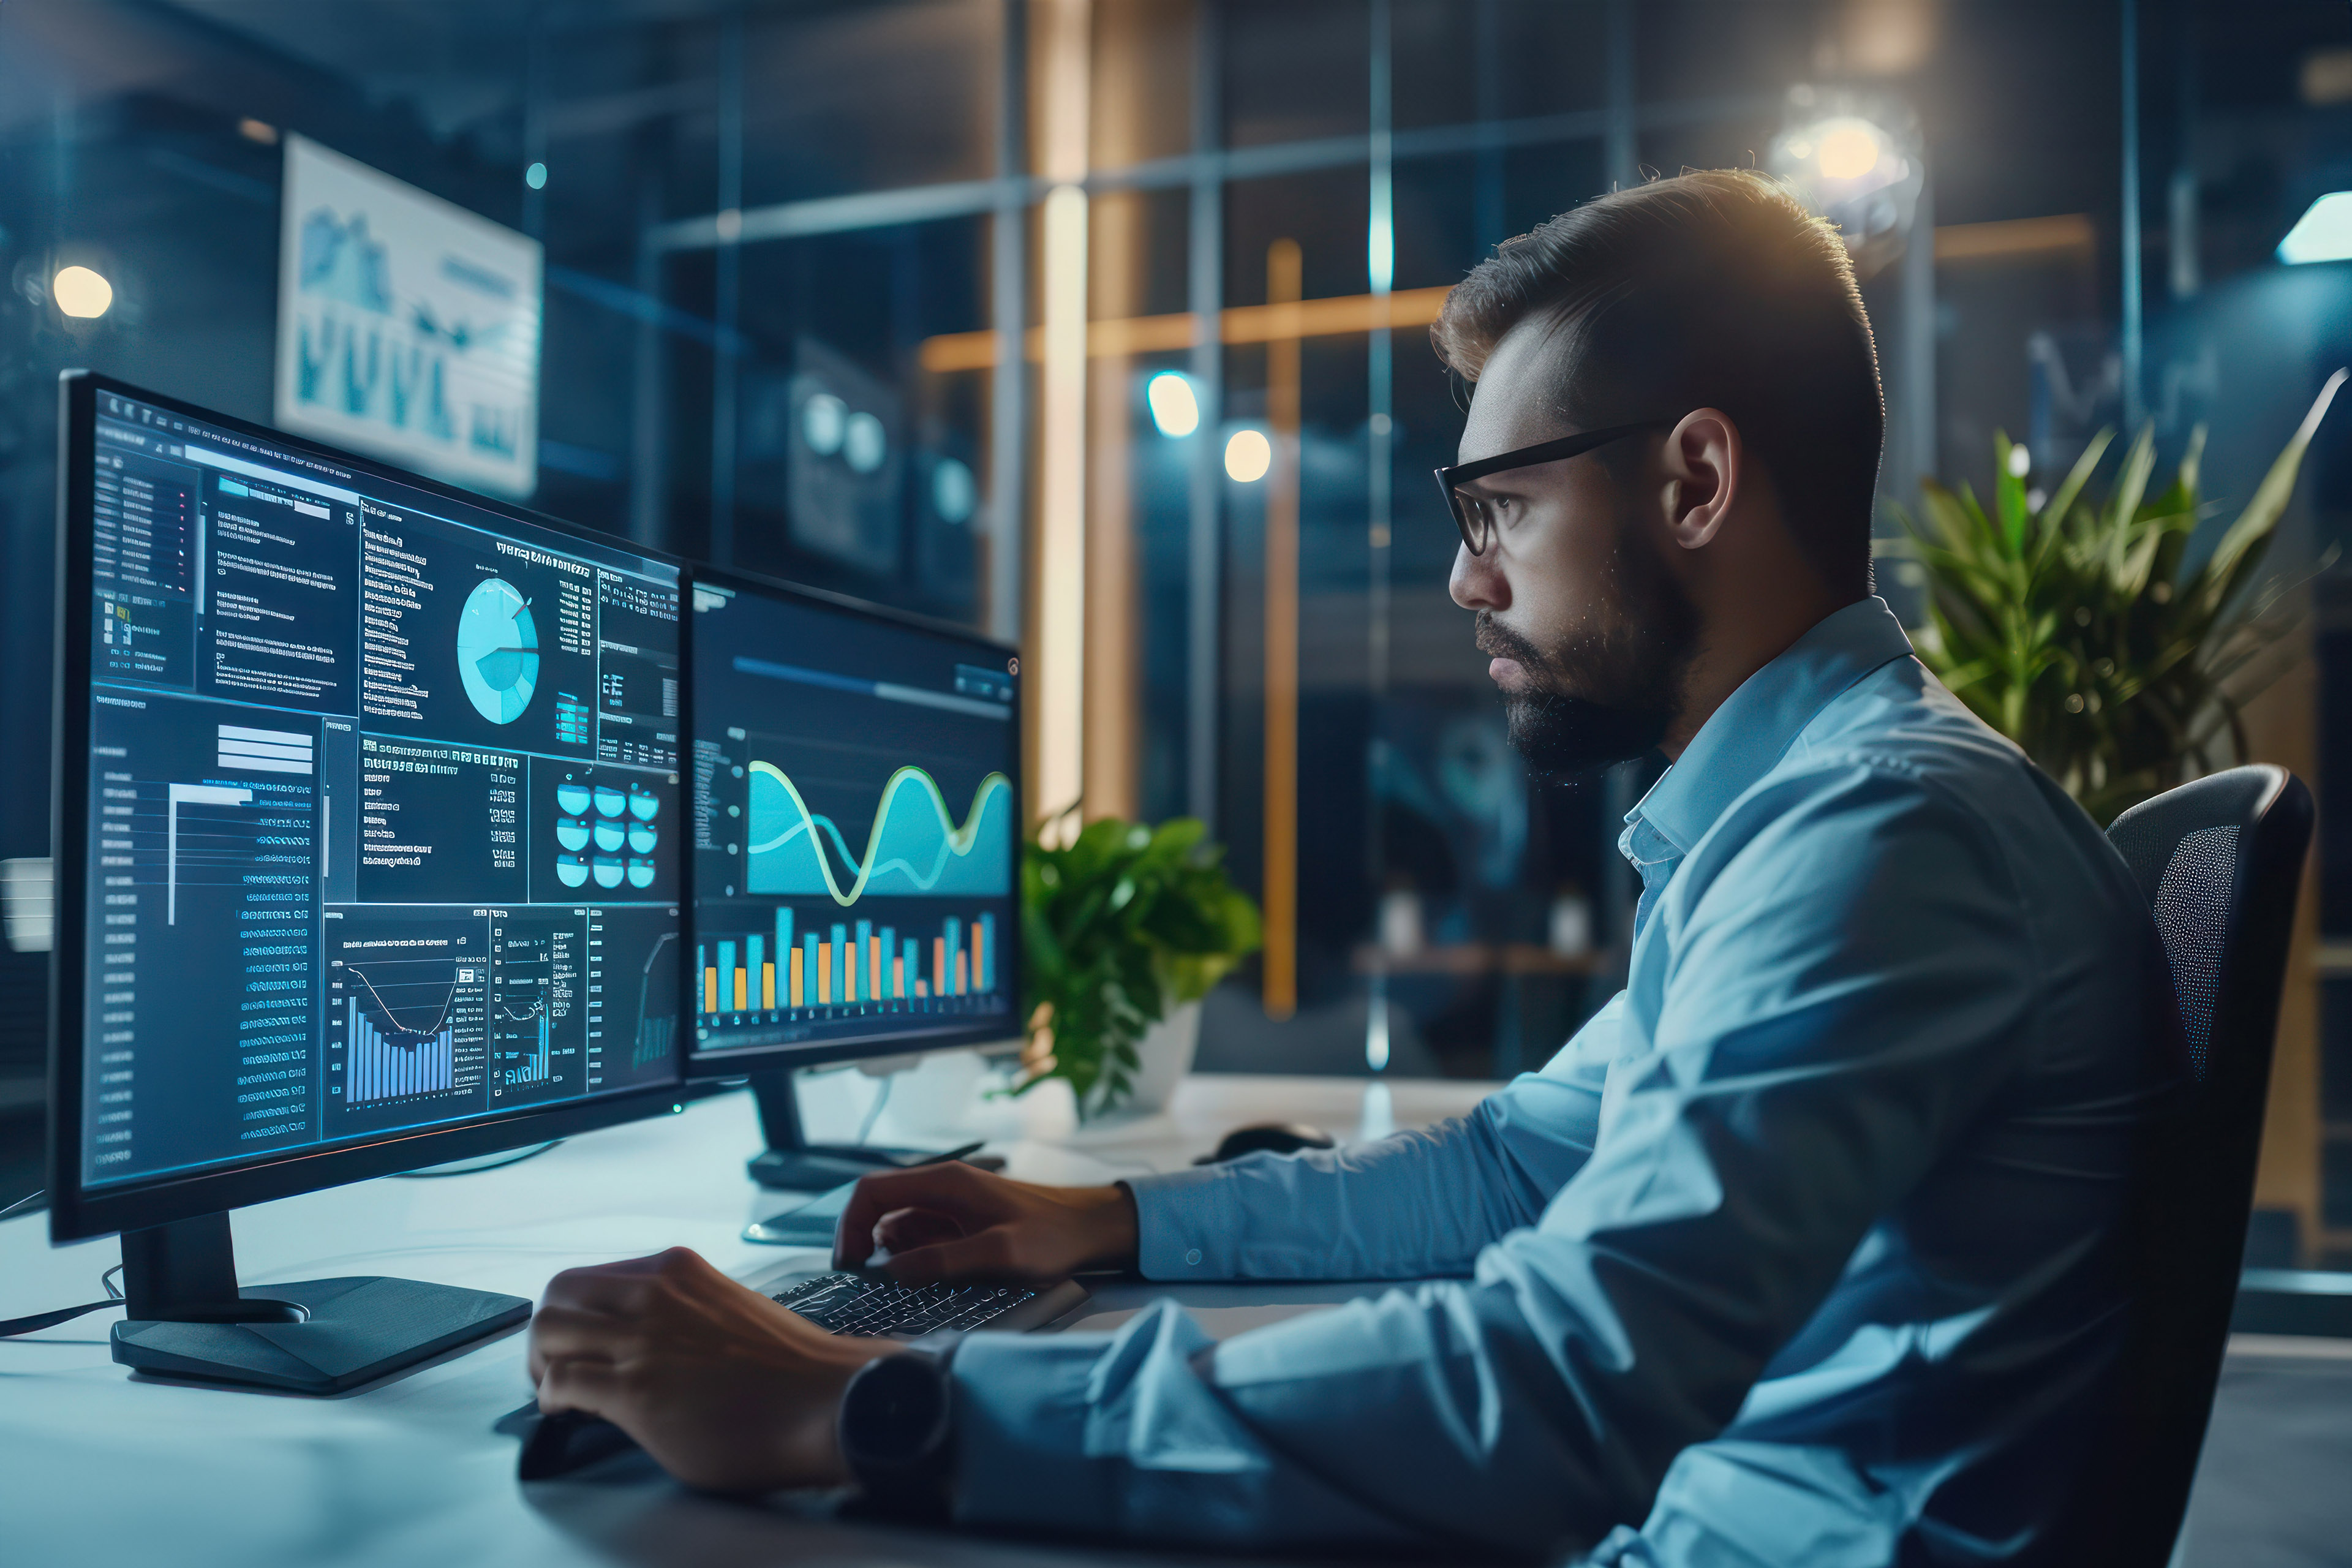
point(897, 1427)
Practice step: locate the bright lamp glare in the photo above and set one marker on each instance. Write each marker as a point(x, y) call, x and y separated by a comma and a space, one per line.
point(1849, 149)
point(2323, 234)
point(1249, 456)
point(81, 292)
point(1174, 410)
point(536, 177)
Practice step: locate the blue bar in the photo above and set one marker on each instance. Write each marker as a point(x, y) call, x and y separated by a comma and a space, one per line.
point(701, 968)
point(988, 951)
point(784, 947)
point(864, 962)
point(727, 977)
point(751, 974)
point(954, 929)
point(808, 970)
point(914, 963)
point(889, 952)
point(840, 946)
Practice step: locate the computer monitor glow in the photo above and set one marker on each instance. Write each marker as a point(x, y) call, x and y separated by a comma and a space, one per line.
point(370, 844)
point(857, 831)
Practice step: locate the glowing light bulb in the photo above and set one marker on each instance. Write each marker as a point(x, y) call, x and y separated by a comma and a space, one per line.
point(1174, 410)
point(1848, 150)
point(1249, 456)
point(81, 292)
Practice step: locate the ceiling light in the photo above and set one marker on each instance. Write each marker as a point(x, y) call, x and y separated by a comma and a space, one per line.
point(2323, 234)
point(1249, 456)
point(81, 292)
point(1174, 410)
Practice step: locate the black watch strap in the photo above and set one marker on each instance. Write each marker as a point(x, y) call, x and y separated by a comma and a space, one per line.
point(897, 1426)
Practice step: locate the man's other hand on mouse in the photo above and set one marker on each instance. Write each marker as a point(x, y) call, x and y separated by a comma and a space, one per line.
point(728, 1390)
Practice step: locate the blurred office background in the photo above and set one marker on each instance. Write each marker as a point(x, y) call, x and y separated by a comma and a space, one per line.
point(1102, 326)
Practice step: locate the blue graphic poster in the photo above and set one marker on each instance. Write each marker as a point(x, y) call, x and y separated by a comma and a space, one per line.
point(408, 326)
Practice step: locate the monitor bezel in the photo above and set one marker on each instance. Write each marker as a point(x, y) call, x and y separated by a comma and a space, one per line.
point(701, 1065)
point(76, 1211)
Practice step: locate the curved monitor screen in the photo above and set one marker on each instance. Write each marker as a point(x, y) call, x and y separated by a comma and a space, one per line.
point(383, 806)
point(856, 828)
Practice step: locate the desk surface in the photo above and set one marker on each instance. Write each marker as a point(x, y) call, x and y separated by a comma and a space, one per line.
point(100, 1467)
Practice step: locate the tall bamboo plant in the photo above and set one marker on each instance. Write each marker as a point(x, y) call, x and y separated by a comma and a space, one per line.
point(2073, 629)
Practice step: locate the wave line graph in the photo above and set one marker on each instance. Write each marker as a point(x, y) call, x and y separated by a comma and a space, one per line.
point(915, 845)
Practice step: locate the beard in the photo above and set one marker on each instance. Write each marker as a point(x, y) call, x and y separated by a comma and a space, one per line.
point(1605, 694)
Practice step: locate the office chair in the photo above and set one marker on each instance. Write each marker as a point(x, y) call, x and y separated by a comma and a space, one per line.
point(2221, 861)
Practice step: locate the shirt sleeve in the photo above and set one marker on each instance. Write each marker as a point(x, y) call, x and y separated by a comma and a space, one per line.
point(1813, 1054)
point(1417, 1204)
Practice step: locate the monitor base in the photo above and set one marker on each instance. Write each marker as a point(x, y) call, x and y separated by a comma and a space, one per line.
point(186, 1316)
point(345, 1332)
point(793, 1164)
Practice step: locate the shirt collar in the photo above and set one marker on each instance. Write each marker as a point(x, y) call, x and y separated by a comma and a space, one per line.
point(1744, 738)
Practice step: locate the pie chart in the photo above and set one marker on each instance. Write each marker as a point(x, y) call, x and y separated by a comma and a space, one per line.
point(497, 651)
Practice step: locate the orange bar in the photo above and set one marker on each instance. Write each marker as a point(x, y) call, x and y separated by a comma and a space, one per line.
point(796, 979)
point(874, 967)
point(898, 975)
point(743, 990)
point(962, 956)
point(1278, 885)
point(977, 970)
point(938, 967)
point(711, 990)
point(767, 985)
point(1117, 338)
point(825, 974)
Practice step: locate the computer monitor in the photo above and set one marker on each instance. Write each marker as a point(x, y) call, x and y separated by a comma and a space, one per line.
point(367, 830)
point(857, 809)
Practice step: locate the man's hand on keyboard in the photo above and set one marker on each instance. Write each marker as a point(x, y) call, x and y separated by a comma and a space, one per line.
point(953, 1222)
point(728, 1390)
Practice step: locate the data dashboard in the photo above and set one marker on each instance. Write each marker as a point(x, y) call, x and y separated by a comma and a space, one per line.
point(385, 804)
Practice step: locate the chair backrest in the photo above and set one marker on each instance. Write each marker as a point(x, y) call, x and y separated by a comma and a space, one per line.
point(2221, 863)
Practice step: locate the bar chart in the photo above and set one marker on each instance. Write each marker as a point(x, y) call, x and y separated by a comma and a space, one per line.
point(831, 968)
point(386, 1061)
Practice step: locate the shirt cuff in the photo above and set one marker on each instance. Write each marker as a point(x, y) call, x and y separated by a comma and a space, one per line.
point(1185, 1223)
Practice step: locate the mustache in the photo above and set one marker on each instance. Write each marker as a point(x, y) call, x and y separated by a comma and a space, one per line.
point(1496, 640)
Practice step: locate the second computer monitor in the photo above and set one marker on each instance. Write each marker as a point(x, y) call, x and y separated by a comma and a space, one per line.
point(857, 831)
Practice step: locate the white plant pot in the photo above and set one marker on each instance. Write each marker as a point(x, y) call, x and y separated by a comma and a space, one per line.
point(1166, 1053)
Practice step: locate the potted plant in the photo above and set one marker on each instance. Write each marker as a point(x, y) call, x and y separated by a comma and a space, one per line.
point(2072, 628)
point(1124, 931)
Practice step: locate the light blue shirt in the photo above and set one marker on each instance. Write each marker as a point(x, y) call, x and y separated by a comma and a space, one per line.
point(1804, 1250)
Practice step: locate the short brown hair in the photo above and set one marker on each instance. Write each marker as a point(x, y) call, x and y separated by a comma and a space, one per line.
point(1716, 289)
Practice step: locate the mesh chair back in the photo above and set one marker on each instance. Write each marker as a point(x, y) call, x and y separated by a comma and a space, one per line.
point(2220, 862)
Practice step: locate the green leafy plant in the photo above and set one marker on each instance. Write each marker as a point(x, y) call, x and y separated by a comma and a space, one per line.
point(1117, 927)
point(2073, 629)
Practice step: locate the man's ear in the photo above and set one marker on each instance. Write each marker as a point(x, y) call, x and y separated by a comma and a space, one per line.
point(1704, 461)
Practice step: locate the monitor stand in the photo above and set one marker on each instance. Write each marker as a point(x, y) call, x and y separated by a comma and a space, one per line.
point(792, 1162)
point(185, 1316)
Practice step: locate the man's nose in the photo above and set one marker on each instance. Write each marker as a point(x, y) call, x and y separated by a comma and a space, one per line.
point(1476, 583)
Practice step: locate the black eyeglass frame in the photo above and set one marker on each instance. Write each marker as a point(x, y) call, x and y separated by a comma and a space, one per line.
point(1450, 480)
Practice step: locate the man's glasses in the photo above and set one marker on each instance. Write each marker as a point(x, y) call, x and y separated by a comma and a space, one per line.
point(1474, 515)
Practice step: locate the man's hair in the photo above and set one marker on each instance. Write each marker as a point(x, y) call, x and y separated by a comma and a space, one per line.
point(1714, 288)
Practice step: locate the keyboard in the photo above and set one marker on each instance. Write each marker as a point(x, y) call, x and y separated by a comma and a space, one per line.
point(857, 1304)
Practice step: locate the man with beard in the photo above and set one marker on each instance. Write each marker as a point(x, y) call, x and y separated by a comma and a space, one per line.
point(1804, 1249)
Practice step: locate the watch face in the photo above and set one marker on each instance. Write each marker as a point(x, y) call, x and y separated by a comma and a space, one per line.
point(894, 1424)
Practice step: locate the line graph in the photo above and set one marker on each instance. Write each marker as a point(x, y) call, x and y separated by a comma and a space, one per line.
point(388, 1058)
point(914, 847)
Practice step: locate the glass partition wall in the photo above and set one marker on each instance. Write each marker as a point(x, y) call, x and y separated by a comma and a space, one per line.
point(1104, 325)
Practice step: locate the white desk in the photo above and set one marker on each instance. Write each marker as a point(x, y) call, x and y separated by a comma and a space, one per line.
point(99, 1468)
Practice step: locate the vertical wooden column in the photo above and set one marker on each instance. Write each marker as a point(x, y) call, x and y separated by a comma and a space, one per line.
point(1280, 889)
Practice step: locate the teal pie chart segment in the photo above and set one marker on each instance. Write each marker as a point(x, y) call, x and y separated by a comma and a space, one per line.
point(497, 651)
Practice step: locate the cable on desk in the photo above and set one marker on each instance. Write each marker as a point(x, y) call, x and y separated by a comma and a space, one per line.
point(874, 1112)
point(10, 1327)
point(475, 1167)
point(31, 1197)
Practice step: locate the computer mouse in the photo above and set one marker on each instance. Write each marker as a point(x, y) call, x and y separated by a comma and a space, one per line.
point(1269, 1137)
point(566, 1441)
